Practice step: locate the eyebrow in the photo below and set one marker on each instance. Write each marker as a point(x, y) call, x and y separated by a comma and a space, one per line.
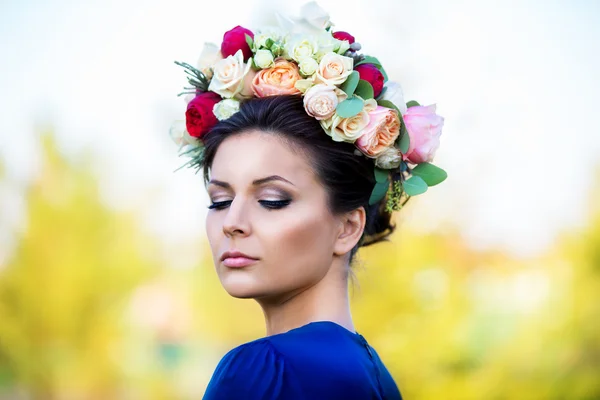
point(256, 182)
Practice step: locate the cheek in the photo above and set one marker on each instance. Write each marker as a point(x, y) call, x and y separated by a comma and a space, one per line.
point(214, 232)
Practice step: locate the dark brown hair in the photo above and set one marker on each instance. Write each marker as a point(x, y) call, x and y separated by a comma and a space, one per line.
point(347, 177)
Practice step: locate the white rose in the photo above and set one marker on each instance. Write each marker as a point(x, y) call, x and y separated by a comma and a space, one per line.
point(395, 94)
point(334, 69)
point(226, 108)
point(300, 47)
point(327, 44)
point(350, 129)
point(210, 55)
point(321, 100)
point(389, 159)
point(180, 135)
point(263, 59)
point(341, 46)
point(308, 66)
point(232, 77)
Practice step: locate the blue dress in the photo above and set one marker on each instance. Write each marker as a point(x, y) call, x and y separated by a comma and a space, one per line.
point(321, 360)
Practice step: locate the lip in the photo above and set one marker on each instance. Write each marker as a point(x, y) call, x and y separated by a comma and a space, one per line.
point(237, 259)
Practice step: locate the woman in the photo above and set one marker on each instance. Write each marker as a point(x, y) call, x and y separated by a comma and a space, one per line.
point(305, 155)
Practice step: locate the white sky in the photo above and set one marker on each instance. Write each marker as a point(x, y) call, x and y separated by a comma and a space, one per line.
point(517, 82)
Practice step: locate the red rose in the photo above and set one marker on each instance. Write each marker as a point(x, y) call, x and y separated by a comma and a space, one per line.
point(373, 75)
point(341, 35)
point(199, 117)
point(235, 40)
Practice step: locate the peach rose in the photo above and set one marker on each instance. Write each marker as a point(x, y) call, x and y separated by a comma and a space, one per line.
point(232, 77)
point(381, 133)
point(349, 129)
point(334, 69)
point(280, 79)
point(321, 100)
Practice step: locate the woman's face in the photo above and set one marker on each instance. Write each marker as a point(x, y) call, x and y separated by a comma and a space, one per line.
point(268, 205)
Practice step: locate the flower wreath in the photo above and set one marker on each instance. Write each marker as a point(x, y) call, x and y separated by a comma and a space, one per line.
point(346, 91)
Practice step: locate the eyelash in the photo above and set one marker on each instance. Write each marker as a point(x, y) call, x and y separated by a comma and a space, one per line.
point(268, 204)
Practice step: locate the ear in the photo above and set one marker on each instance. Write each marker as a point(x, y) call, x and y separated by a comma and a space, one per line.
point(352, 225)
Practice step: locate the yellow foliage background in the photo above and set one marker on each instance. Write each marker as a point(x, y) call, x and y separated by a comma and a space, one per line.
point(86, 311)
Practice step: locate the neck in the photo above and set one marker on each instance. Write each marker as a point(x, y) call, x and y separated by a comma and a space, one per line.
point(326, 300)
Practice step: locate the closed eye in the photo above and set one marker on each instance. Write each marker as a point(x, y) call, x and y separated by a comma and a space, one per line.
point(274, 204)
point(219, 205)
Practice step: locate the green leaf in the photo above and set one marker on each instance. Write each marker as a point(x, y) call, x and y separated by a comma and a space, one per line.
point(404, 142)
point(269, 43)
point(364, 90)
point(249, 41)
point(369, 60)
point(414, 186)
point(388, 104)
point(379, 192)
point(412, 103)
point(349, 107)
point(381, 175)
point(349, 85)
point(385, 76)
point(431, 174)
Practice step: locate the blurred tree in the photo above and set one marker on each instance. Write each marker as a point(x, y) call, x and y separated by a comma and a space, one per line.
point(63, 290)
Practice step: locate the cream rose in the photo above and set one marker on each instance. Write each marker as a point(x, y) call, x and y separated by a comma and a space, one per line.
point(349, 129)
point(299, 47)
point(308, 66)
point(226, 108)
point(210, 55)
point(231, 77)
point(334, 69)
point(263, 59)
point(390, 158)
point(381, 132)
point(321, 100)
point(280, 79)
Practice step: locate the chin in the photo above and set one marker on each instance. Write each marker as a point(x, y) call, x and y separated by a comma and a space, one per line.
point(241, 287)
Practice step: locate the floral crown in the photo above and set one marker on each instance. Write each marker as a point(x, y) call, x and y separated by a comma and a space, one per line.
point(346, 91)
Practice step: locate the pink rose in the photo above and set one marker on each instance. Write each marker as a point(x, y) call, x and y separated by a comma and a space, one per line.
point(280, 79)
point(341, 35)
point(381, 132)
point(235, 40)
point(199, 117)
point(424, 128)
point(373, 75)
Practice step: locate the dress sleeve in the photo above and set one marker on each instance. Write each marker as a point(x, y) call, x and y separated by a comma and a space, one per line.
point(253, 371)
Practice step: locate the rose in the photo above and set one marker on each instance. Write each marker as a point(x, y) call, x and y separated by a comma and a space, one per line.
point(263, 35)
point(263, 59)
point(394, 93)
point(373, 75)
point(300, 46)
point(424, 128)
point(381, 133)
point(390, 158)
point(334, 69)
point(234, 40)
point(308, 66)
point(349, 129)
point(341, 35)
point(209, 57)
point(321, 100)
point(226, 108)
point(180, 135)
point(232, 77)
point(280, 79)
point(199, 117)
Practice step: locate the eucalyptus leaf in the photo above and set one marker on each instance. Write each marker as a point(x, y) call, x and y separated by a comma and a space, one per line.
point(385, 75)
point(414, 186)
point(404, 142)
point(349, 107)
point(249, 41)
point(349, 85)
point(431, 174)
point(388, 104)
point(381, 175)
point(369, 60)
point(364, 90)
point(412, 103)
point(379, 192)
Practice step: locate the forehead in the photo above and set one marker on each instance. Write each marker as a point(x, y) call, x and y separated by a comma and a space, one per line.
point(252, 155)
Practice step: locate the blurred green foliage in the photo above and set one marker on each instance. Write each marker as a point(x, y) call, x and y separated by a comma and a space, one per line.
point(85, 313)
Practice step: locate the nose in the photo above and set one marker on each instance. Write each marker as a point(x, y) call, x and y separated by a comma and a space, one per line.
point(236, 221)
